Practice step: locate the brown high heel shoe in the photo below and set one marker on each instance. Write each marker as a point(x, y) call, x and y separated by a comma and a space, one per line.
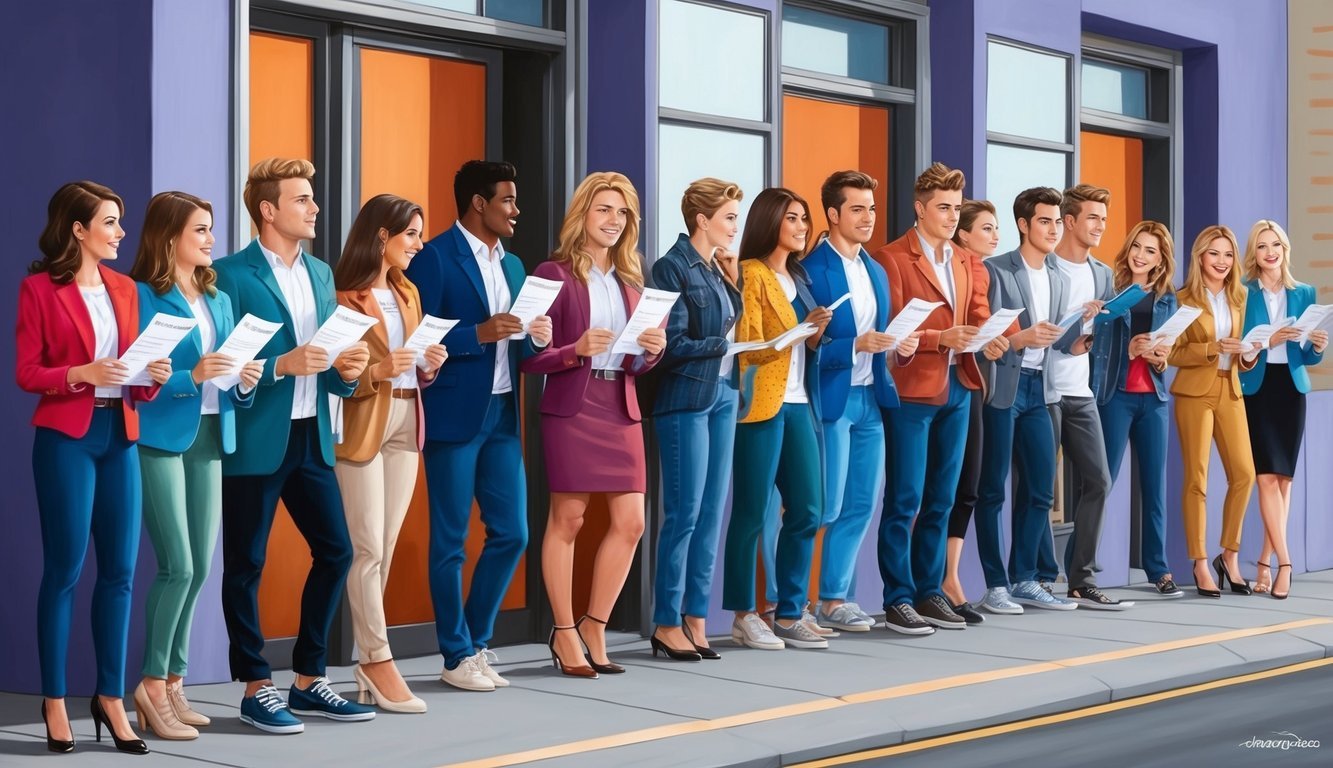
point(565, 669)
point(609, 668)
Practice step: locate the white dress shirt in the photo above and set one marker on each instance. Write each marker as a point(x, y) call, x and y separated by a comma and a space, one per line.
point(796, 370)
point(864, 308)
point(1221, 323)
point(1276, 302)
point(106, 338)
point(208, 339)
point(396, 331)
point(606, 309)
point(498, 300)
point(943, 273)
point(1039, 285)
point(1071, 373)
point(299, 295)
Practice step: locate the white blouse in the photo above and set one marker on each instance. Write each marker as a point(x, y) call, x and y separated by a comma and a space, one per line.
point(1221, 323)
point(606, 309)
point(208, 336)
point(106, 337)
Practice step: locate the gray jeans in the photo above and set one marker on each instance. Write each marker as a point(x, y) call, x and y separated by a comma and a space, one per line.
point(1078, 431)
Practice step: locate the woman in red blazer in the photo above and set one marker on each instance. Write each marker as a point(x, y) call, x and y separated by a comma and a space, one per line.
point(590, 413)
point(75, 319)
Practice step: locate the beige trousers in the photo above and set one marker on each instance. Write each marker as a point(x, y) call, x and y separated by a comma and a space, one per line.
point(1201, 420)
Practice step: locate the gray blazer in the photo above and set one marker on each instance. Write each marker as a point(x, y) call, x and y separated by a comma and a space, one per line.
point(1009, 288)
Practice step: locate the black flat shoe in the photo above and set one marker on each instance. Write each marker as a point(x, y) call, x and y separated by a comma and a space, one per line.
point(1223, 577)
point(129, 746)
point(55, 745)
point(970, 615)
point(610, 667)
point(704, 651)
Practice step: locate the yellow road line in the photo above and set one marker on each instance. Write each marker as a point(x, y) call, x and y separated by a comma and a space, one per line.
point(881, 694)
point(1100, 709)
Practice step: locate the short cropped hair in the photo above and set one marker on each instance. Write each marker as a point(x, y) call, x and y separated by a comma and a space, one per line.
point(480, 177)
point(831, 194)
point(706, 196)
point(1071, 204)
point(1025, 205)
point(264, 179)
point(938, 177)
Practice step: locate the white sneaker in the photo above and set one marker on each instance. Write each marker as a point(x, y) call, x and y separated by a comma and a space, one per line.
point(484, 657)
point(854, 608)
point(997, 600)
point(752, 632)
point(809, 620)
point(468, 676)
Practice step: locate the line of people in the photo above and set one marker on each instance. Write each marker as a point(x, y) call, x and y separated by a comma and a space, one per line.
point(805, 437)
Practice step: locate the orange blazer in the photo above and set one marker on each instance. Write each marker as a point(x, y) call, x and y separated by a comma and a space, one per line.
point(55, 333)
point(366, 411)
point(1195, 354)
point(912, 276)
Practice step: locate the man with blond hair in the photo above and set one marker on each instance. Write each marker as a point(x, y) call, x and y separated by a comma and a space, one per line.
point(284, 450)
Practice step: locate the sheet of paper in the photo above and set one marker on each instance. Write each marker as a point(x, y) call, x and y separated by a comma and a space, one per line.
point(801, 332)
point(432, 330)
point(738, 347)
point(161, 336)
point(1260, 334)
point(846, 297)
point(344, 328)
point(910, 318)
point(652, 311)
point(1176, 324)
point(247, 338)
point(533, 301)
point(1312, 318)
point(999, 320)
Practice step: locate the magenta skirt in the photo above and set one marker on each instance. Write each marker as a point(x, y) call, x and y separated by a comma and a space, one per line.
point(597, 450)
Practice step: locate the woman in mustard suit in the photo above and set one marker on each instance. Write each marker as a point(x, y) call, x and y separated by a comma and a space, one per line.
point(1209, 356)
point(184, 434)
point(380, 452)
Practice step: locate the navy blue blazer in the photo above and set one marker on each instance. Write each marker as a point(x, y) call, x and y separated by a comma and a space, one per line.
point(696, 330)
point(1110, 352)
point(1256, 313)
point(171, 421)
point(449, 282)
point(828, 283)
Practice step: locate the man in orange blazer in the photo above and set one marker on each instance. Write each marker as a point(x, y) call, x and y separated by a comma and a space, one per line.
point(927, 432)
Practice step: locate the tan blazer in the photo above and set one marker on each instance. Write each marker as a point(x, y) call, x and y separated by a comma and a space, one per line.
point(1195, 354)
point(366, 412)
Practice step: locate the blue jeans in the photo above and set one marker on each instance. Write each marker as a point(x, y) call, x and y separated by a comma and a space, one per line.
point(489, 468)
point(87, 485)
point(1021, 433)
point(1142, 419)
point(853, 472)
point(923, 466)
point(696, 450)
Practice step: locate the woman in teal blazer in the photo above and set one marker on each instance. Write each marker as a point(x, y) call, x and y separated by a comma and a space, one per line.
point(1275, 390)
point(183, 436)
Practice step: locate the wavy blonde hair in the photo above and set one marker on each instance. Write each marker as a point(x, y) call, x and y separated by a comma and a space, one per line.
point(625, 256)
point(1251, 263)
point(1159, 279)
point(1194, 292)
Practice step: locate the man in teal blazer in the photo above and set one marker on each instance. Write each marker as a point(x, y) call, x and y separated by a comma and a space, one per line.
point(284, 449)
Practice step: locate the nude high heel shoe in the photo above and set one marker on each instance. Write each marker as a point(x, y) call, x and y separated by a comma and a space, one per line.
point(160, 718)
point(369, 694)
point(182, 708)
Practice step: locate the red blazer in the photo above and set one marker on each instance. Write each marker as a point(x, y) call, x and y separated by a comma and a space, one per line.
point(912, 276)
point(55, 333)
point(567, 374)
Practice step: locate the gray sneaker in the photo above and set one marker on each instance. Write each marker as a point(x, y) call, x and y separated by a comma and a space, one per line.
point(809, 620)
point(798, 635)
point(997, 601)
point(844, 617)
point(752, 632)
point(854, 608)
point(1031, 593)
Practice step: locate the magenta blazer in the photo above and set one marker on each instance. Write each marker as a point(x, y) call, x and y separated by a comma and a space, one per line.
point(567, 374)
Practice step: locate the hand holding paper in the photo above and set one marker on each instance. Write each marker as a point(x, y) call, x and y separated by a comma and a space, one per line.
point(651, 312)
point(999, 320)
point(534, 300)
point(910, 318)
point(1176, 324)
point(344, 328)
point(1314, 317)
point(801, 332)
point(156, 342)
point(432, 330)
point(246, 339)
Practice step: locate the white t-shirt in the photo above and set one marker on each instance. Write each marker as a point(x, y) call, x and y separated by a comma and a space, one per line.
point(1039, 284)
point(106, 338)
point(796, 370)
point(208, 337)
point(1070, 372)
point(393, 327)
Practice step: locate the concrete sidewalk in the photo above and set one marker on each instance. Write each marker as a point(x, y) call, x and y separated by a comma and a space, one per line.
point(761, 708)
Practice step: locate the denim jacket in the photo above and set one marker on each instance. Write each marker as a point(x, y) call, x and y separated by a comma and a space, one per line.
point(1110, 352)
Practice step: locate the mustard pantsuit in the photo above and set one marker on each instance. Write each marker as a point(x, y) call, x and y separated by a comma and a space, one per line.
point(1209, 407)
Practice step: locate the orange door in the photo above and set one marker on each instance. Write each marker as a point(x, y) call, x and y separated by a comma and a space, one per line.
point(1116, 163)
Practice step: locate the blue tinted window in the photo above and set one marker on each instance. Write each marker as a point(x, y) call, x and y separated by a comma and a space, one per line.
point(1027, 93)
point(837, 45)
point(1115, 88)
point(529, 12)
point(1010, 170)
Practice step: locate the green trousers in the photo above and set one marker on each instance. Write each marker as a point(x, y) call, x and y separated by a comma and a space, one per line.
point(182, 508)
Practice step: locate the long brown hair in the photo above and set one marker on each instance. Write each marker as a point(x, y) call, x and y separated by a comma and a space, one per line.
point(1194, 292)
point(163, 223)
point(363, 253)
point(76, 201)
point(625, 256)
point(1161, 277)
point(763, 227)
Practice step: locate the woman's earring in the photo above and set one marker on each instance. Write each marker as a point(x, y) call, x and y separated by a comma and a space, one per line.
point(381, 249)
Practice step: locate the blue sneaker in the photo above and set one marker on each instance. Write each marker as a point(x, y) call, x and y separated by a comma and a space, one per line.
point(268, 712)
point(320, 699)
point(1031, 593)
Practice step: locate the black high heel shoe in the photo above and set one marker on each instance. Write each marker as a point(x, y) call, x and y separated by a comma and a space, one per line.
point(1214, 593)
point(609, 668)
point(55, 745)
point(579, 671)
point(671, 653)
point(1273, 593)
point(703, 650)
point(1223, 577)
point(130, 746)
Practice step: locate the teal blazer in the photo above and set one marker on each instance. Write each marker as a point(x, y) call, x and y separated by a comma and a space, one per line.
point(262, 430)
point(1298, 356)
point(171, 420)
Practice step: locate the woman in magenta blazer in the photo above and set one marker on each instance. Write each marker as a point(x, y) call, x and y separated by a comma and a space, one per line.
point(75, 319)
point(590, 413)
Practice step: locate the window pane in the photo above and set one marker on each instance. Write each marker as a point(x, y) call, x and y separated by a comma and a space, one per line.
point(1115, 88)
point(717, 73)
point(1010, 170)
point(686, 153)
point(1027, 93)
point(518, 11)
point(822, 42)
point(462, 6)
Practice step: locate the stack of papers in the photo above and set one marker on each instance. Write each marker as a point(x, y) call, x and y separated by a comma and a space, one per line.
point(801, 332)
point(1260, 334)
point(1315, 317)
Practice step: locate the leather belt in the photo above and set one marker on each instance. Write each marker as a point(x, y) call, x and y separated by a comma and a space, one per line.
point(106, 402)
point(606, 374)
point(404, 394)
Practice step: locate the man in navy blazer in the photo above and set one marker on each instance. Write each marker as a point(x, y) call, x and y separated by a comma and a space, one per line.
point(854, 384)
point(473, 414)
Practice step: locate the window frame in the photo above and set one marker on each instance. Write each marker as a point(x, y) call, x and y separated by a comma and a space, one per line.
point(1069, 147)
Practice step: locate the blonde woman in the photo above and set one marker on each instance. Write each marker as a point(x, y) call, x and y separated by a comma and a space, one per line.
point(591, 427)
point(1275, 390)
point(1210, 356)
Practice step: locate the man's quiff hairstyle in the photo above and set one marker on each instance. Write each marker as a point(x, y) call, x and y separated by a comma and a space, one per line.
point(938, 177)
point(831, 194)
point(1025, 205)
point(1074, 198)
point(264, 179)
